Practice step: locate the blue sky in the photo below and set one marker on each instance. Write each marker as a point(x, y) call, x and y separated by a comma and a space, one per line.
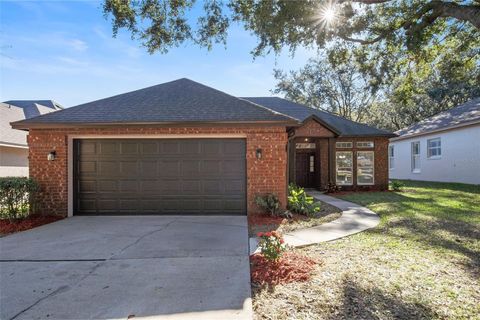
point(64, 50)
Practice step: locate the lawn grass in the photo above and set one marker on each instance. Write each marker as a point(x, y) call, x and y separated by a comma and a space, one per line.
point(421, 262)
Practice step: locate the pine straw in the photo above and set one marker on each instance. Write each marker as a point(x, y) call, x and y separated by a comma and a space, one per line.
point(29, 222)
point(291, 267)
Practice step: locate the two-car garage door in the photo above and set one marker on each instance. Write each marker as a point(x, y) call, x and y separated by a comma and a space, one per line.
point(159, 176)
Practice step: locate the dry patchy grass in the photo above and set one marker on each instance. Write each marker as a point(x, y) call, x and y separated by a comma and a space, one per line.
point(422, 262)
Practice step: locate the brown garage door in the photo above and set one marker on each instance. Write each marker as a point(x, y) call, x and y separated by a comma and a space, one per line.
point(169, 176)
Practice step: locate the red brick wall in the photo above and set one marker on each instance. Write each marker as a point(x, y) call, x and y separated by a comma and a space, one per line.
point(312, 128)
point(263, 176)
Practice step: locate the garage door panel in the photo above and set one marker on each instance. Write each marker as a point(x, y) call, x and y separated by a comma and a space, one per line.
point(178, 176)
point(107, 148)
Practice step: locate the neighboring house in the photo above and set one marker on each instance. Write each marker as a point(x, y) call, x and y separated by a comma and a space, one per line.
point(445, 147)
point(13, 143)
point(184, 148)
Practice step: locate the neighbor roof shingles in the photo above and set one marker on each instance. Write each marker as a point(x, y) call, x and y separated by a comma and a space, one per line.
point(301, 112)
point(181, 100)
point(463, 114)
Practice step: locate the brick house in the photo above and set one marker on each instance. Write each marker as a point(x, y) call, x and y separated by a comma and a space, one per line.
point(185, 148)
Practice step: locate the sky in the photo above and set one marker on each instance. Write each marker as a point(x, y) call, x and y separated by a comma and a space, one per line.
point(64, 51)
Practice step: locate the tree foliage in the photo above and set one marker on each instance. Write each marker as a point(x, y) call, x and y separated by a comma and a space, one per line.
point(278, 24)
point(332, 82)
point(403, 89)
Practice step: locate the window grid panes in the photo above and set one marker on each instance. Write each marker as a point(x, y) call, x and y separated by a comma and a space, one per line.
point(365, 144)
point(391, 157)
point(365, 168)
point(344, 145)
point(312, 164)
point(344, 168)
point(416, 156)
point(434, 148)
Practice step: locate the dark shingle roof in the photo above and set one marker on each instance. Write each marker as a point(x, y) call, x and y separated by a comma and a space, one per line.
point(181, 100)
point(300, 112)
point(33, 108)
point(16, 110)
point(463, 114)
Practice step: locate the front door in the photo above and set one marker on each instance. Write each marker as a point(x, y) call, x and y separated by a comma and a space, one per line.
point(305, 169)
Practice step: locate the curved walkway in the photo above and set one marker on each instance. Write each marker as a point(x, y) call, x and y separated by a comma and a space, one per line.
point(354, 219)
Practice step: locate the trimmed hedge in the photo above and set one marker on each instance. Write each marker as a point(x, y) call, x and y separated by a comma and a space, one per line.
point(16, 194)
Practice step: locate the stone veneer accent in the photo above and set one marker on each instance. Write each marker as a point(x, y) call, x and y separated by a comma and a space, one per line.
point(267, 175)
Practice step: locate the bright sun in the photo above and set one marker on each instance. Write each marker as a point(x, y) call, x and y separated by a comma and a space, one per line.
point(329, 14)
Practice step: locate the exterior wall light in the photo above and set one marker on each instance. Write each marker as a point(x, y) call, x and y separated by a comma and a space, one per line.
point(259, 154)
point(51, 156)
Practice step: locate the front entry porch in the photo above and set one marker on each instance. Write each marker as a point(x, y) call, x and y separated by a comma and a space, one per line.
point(309, 162)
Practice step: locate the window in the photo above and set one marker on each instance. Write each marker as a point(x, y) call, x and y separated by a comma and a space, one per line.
point(365, 167)
point(391, 157)
point(312, 163)
point(343, 145)
point(365, 144)
point(416, 156)
point(434, 148)
point(344, 161)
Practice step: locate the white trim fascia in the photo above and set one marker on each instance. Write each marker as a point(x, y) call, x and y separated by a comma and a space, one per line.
point(2, 144)
point(458, 126)
point(71, 137)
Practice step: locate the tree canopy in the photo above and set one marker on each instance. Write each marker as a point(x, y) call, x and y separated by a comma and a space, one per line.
point(278, 24)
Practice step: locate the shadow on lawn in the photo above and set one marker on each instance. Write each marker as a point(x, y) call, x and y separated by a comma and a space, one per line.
point(361, 303)
point(452, 235)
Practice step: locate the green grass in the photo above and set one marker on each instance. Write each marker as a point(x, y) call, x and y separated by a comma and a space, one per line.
point(421, 262)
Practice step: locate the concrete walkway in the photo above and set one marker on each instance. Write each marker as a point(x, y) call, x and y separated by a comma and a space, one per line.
point(354, 219)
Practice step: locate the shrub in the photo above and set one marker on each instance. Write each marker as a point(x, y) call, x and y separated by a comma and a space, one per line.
point(397, 185)
point(269, 202)
point(299, 202)
point(271, 245)
point(16, 196)
point(332, 188)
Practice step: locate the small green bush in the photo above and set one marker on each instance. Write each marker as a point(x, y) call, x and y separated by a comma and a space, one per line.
point(269, 202)
point(299, 202)
point(16, 195)
point(397, 185)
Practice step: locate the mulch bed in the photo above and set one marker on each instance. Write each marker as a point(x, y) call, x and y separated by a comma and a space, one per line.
point(29, 222)
point(292, 267)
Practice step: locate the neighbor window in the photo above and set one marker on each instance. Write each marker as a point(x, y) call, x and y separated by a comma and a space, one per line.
point(391, 157)
point(365, 167)
point(434, 148)
point(416, 156)
point(343, 145)
point(365, 144)
point(344, 161)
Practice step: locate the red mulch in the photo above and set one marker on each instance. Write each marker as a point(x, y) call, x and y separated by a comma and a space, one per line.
point(30, 222)
point(291, 267)
point(262, 220)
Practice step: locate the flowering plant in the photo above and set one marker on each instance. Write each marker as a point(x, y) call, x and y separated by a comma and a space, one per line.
point(271, 245)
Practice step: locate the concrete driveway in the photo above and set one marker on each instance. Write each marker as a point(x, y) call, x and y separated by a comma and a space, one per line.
point(118, 267)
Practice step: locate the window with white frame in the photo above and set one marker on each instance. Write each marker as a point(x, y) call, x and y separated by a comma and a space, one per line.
point(416, 156)
point(344, 145)
point(365, 167)
point(391, 157)
point(344, 168)
point(365, 144)
point(434, 148)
